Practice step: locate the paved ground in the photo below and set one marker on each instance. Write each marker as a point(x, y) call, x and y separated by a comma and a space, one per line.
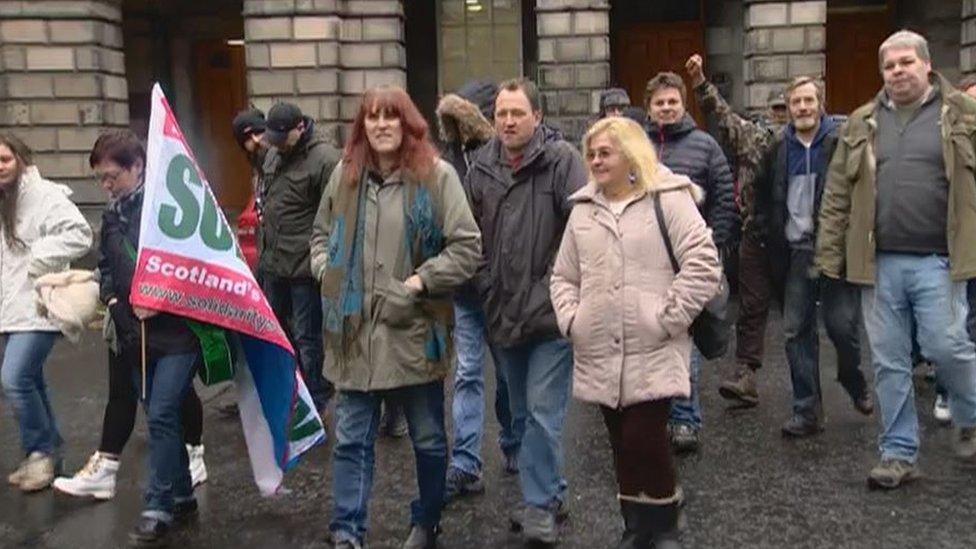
point(747, 488)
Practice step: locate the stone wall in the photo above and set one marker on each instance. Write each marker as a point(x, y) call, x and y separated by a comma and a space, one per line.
point(783, 40)
point(62, 81)
point(322, 54)
point(574, 60)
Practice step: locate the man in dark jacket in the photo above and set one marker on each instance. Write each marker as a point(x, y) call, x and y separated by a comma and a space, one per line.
point(686, 150)
point(464, 119)
point(788, 191)
point(296, 170)
point(520, 186)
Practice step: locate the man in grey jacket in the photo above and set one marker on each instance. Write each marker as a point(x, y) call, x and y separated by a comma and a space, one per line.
point(519, 186)
point(296, 170)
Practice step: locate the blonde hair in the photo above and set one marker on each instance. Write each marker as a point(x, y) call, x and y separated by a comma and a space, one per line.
point(634, 145)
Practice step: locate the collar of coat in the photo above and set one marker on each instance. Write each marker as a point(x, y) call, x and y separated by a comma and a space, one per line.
point(954, 103)
point(665, 181)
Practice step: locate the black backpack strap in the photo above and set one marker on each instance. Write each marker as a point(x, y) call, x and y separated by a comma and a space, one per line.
point(659, 213)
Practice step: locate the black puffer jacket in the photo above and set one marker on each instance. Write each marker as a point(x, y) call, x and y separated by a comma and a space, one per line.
point(118, 240)
point(522, 213)
point(686, 150)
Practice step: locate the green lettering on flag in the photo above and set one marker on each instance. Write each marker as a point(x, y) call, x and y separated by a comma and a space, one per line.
point(303, 424)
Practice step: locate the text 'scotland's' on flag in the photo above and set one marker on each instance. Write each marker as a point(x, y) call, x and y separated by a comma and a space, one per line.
point(189, 264)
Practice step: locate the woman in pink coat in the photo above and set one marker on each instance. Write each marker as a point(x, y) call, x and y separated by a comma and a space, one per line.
point(627, 313)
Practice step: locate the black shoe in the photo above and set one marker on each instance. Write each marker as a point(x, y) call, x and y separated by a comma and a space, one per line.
point(185, 510)
point(798, 427)
point(421, 537)
point(461, 483)
point(149, 532)
point(511, 464)
point(684, 438)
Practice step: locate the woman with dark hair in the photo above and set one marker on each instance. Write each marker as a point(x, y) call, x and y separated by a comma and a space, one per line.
point(392, 239)
point(119, 160)
point(41, 232)
point(172, 350)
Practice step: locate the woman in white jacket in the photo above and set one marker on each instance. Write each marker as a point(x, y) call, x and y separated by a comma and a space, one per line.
point(41, 231)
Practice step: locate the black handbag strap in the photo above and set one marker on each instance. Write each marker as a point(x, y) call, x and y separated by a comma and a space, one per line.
point(659, 213)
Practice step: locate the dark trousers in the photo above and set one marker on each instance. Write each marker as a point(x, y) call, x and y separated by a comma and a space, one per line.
point(298, 305)
point(841, 303)
point(123, 399)
point(755, 289)
point(642, 449)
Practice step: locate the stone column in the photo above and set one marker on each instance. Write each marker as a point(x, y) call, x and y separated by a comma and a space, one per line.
point(574, 60)
point(783, 40)
point(62, 81)
point(322, 54)
point(967, 51)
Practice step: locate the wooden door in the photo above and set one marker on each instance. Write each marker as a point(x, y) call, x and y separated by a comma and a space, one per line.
point(852, 76)
point(220, 93)
point(645, 49)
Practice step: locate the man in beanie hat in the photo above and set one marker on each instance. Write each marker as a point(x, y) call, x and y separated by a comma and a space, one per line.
point(296, 170)
point(613, 102)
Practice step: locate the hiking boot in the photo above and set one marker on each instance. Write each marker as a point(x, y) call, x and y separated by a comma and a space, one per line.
point(393, 423)
point(421, 537)
point(198, 469)
point(517, 516)
point(461, 483)
point(149, 532)
point(892, 473)
point(799, 427)
point(96, 479)
point(539, 524)
point(38, 474)
point(510, 463)
point(965, 444)
point(740, 387)
point(864, 404)
point(941, 410)
point(17, 474)
point(684, 438)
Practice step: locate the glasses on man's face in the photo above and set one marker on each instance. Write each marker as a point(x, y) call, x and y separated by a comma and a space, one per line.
point(110, 176)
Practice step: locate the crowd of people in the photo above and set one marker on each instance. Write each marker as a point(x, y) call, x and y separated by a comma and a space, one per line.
point(582, 270)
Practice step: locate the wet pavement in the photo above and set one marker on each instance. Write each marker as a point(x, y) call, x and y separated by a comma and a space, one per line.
point(746, 488)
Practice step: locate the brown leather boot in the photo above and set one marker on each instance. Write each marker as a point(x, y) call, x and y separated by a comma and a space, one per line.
point(741, 386)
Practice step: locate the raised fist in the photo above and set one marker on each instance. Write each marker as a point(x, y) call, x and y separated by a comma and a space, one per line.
point(695, 71)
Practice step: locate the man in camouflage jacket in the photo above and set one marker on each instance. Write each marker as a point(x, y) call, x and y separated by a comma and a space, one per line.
point(747, 141)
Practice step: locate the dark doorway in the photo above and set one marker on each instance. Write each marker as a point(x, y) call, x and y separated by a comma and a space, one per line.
point(854, 32)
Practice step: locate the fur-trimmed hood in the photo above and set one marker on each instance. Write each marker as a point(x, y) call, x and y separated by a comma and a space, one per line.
point(461, 121)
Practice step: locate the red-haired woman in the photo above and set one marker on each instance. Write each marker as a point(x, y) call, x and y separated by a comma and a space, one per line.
point(392, 239)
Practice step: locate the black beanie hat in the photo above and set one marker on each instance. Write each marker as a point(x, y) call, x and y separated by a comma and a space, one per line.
point(248, 122)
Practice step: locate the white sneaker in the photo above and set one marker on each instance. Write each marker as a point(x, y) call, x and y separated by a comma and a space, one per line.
point(37, 473)
point(941, 411)
point(198, 469)
point(96, 479)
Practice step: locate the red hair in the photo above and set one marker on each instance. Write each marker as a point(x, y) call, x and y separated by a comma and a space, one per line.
point(417, 153)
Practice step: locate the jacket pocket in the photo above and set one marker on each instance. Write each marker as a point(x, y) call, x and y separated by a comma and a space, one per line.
point(651, 329)
point(400, 308)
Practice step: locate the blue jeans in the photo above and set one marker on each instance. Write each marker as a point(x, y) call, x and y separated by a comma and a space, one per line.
point(913, 287)
point(540, 378)
point(919, 286)
point(357, 422)
point(297, 304)
point(469, 392)
point(688, 410)
point(22, 374)
point(839, 302)
point(168, 380)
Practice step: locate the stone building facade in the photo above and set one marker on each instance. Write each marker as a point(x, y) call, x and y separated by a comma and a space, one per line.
point(68, 68)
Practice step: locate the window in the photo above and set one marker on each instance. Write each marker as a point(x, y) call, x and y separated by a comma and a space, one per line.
point(479, 39)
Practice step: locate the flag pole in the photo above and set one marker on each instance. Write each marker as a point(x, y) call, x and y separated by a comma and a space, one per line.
point(142, 323)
